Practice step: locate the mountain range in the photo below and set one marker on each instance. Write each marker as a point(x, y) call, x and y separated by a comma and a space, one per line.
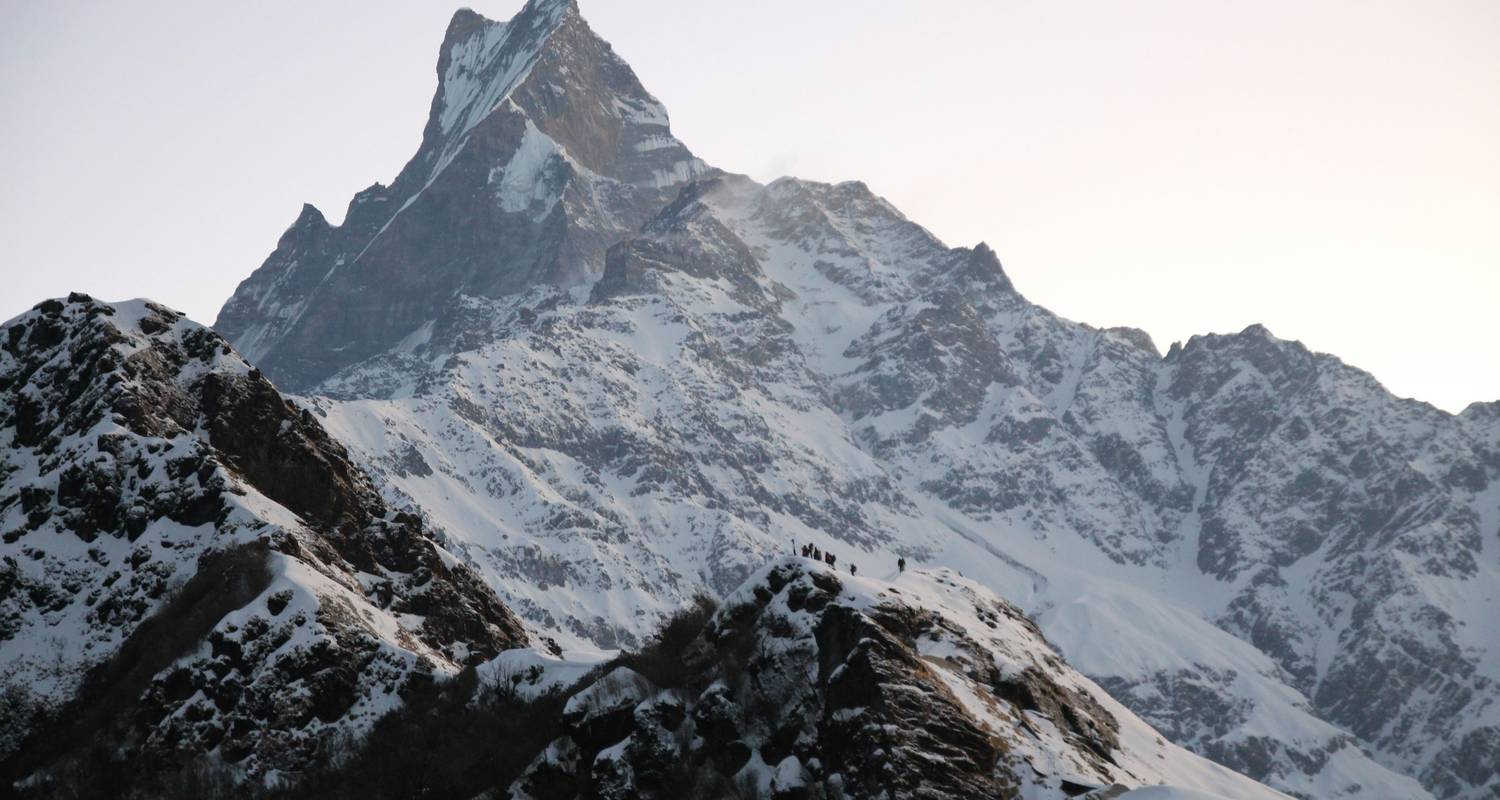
point(561, 380)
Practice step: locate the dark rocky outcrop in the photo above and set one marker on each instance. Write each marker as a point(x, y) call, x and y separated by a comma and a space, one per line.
point(798, 688)
point(207, 560)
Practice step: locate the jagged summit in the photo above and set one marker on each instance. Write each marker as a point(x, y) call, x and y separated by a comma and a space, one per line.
point(541, 150)
point(480, 61)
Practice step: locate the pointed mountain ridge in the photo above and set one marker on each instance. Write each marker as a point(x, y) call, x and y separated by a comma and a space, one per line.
point(480, 62)
point(540, 151)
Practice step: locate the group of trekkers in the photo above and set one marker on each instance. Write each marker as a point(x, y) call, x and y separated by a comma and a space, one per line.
point(810, 550)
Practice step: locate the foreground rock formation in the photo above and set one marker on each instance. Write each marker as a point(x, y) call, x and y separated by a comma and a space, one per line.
point(806, 683)
point(809, 683)
point(190, 565)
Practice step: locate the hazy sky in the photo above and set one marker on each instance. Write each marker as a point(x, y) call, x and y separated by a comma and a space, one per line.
point(1328, 168)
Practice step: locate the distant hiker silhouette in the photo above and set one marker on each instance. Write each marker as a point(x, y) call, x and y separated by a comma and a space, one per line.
point(830, 559)
point(853, 570)
point(901, 565)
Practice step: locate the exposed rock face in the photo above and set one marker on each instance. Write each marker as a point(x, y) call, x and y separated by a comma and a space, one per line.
point(1354, 527)
point(812, 684)
point(196, 555)
point(611, 378)
point(541, 150)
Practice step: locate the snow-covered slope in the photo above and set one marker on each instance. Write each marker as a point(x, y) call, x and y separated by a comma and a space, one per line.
point(1255, 547)
point(190, 565)
point(1167, 793)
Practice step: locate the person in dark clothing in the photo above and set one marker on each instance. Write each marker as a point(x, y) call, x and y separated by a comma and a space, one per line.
point(901, 564)
point(831, 559)
point(853, 570)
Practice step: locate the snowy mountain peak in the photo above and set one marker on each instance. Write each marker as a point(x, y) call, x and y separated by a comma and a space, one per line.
point(481, 61)
point(541, 150)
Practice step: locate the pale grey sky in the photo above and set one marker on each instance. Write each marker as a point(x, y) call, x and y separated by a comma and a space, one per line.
point(1330, 168)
